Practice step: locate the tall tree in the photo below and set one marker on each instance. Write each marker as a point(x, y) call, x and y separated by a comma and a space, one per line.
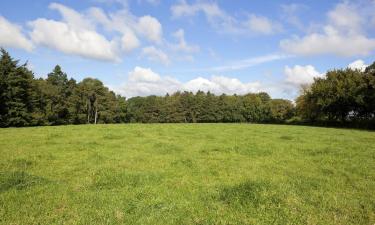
point(16, 92)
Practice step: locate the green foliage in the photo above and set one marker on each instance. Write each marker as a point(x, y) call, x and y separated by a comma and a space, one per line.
point(58, 100)
point(342, 95)
point(25, 101)
point(281, 110)
point(208, 108)
point(16, 92)
point(186, 174)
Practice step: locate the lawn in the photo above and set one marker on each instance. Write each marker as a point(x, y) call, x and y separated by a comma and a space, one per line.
point(187, 174)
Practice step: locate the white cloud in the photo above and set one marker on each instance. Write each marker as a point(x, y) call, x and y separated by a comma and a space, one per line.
point(144, 81)
point(358, 64)
point(301, 75)
point(77, 32)
point(129, 41)
point(72, 17)
point(11, 36)
point(182, 45)
point(343, 35)
point(140, 74)
point(155, 54)
point(74, 35)
point(124, 21)
point(221, 84)
point(223, 22)
point(330, 42)
point(151, 28)
point(65, 38)
point(346, 17)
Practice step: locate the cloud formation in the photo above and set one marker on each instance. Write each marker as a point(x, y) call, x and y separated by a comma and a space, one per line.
point(144, 81)
point(11, 35)
point(77, 33)
point(343, 35)
point(220, 20)
point(156, 55)
point(301, 75)
point(358, 65)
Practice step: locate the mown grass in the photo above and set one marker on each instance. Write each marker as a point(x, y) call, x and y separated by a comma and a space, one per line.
point(187, 174)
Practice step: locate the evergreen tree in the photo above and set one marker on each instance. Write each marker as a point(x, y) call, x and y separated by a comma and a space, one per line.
point(16, 92)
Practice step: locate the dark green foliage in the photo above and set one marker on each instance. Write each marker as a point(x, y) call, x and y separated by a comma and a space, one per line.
point(58, 100)
point(342, 96)
point(15, 92)
point(281, 110)
point(187, 107)
point(25, 101)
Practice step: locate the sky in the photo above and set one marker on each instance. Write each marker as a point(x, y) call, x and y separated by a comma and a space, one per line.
point(154, 47)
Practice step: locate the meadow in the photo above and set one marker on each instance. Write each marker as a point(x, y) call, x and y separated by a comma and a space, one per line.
point(186, 174)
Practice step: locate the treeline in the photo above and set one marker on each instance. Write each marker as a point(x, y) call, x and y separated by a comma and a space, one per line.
point(342, 97)
point(187, 107)
point(57, 100)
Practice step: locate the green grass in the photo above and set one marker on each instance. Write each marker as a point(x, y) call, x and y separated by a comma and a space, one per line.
point(187, 174)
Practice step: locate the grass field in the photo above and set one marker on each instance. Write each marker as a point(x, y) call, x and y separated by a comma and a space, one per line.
point(187, 174)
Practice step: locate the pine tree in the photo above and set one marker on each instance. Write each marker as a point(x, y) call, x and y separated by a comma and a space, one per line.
point(16, 92)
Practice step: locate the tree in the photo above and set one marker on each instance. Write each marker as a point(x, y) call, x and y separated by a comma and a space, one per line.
point(16, 92)
point(94, 96)
point(58, 90)
point(342, 95)
point(281, 110)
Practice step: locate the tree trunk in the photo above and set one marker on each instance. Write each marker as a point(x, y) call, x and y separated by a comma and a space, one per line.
point(88, 113)
point(96, 114)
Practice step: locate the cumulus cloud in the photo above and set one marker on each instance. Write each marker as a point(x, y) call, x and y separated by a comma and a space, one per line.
point(11, 36)
point(155, 54)
point(358, 65)
point(221, 84)
point(73, 35)
point(223, 22)
point(301, 75)
point(124, 21)
point(77, 33)
point(343, 35)
point(144, 81)
point(151, 28)
point(65, 38)
point(129, 41)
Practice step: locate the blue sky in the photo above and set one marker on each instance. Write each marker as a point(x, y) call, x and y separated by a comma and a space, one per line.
point(143, 47)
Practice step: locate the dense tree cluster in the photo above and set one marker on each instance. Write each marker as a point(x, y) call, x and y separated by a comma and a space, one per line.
point(26, 101)
point(56, 100)
point(342, 96)
point(208, 108)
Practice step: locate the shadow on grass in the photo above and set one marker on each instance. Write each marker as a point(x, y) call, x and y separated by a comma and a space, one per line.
point(19, 180)
point(249, 193)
